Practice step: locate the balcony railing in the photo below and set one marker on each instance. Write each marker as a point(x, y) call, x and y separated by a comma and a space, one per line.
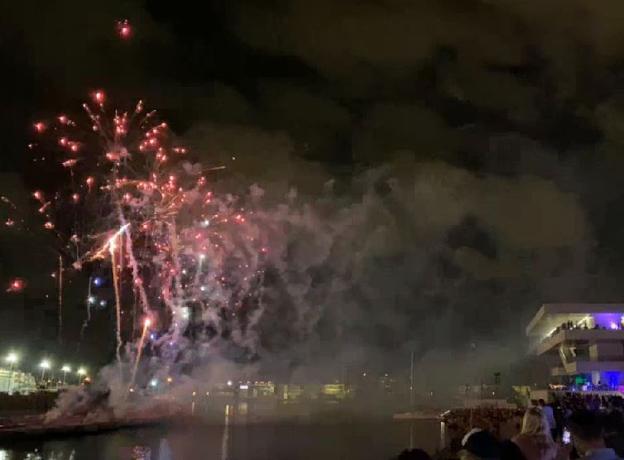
point(573, 335)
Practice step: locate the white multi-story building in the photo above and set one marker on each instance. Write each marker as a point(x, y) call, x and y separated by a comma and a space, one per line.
point(12, 381)
point(582, 343)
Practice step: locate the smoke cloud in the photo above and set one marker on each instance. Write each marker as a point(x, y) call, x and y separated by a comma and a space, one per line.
point(425, 175)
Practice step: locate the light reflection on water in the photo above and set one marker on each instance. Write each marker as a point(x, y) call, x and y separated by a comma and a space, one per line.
point(238, 436)
point(226, 433)
point(36, 455)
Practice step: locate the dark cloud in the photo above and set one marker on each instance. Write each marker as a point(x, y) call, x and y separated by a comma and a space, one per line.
point(337, 37)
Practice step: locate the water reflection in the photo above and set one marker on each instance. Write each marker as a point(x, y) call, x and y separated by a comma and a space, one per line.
point(238, 431)
point(48, 455)
point(226, 433)
point(164, 451)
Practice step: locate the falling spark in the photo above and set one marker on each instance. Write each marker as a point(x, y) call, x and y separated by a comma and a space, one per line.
point(16, 285)
point(99, 97)
point(111, 243)
point(146, 324)
point(124, 29)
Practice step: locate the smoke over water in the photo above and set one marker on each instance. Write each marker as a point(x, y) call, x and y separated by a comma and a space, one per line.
point(283, 270)
point(411, 256)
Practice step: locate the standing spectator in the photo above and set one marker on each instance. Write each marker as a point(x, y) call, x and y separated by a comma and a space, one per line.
point(586, 429)
point(614, 431)
point(550, 418)
point(535, 440)
point(559, 420)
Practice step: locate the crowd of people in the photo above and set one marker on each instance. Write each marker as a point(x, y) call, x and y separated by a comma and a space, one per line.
point(572, 426)
point(572, 326)
point(500, 422)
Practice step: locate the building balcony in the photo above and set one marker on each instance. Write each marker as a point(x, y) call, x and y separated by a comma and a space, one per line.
point(578, 335)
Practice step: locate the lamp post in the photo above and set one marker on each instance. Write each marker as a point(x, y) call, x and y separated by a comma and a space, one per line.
point(65, 369)
point(81, 372)
point(44, 365)
point(12, 358)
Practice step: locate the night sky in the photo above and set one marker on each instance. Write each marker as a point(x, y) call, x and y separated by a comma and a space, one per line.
point(466, 154)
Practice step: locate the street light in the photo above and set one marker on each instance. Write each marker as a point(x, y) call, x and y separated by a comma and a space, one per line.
point(65, 369)
point(44, 365)
point(82, 372)
point(12, 358)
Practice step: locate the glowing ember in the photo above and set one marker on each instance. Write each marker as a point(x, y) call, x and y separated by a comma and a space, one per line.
point(99, 96)
point(16, 285)
point(124, 29)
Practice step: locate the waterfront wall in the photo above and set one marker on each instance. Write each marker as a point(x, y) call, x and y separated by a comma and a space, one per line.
point(22, 404)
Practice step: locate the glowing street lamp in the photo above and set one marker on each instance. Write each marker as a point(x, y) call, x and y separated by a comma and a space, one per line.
point(44, 365)
point(81, 372)
point(65, 369)
point(12, 358)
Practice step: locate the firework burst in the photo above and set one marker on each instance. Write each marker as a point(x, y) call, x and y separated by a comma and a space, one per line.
point(130, 199)
point(124, 29)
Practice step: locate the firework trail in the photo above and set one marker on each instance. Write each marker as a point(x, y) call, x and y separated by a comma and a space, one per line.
point(88, 302)
point(115, 269)
point(60, 299)
point(146, 324)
